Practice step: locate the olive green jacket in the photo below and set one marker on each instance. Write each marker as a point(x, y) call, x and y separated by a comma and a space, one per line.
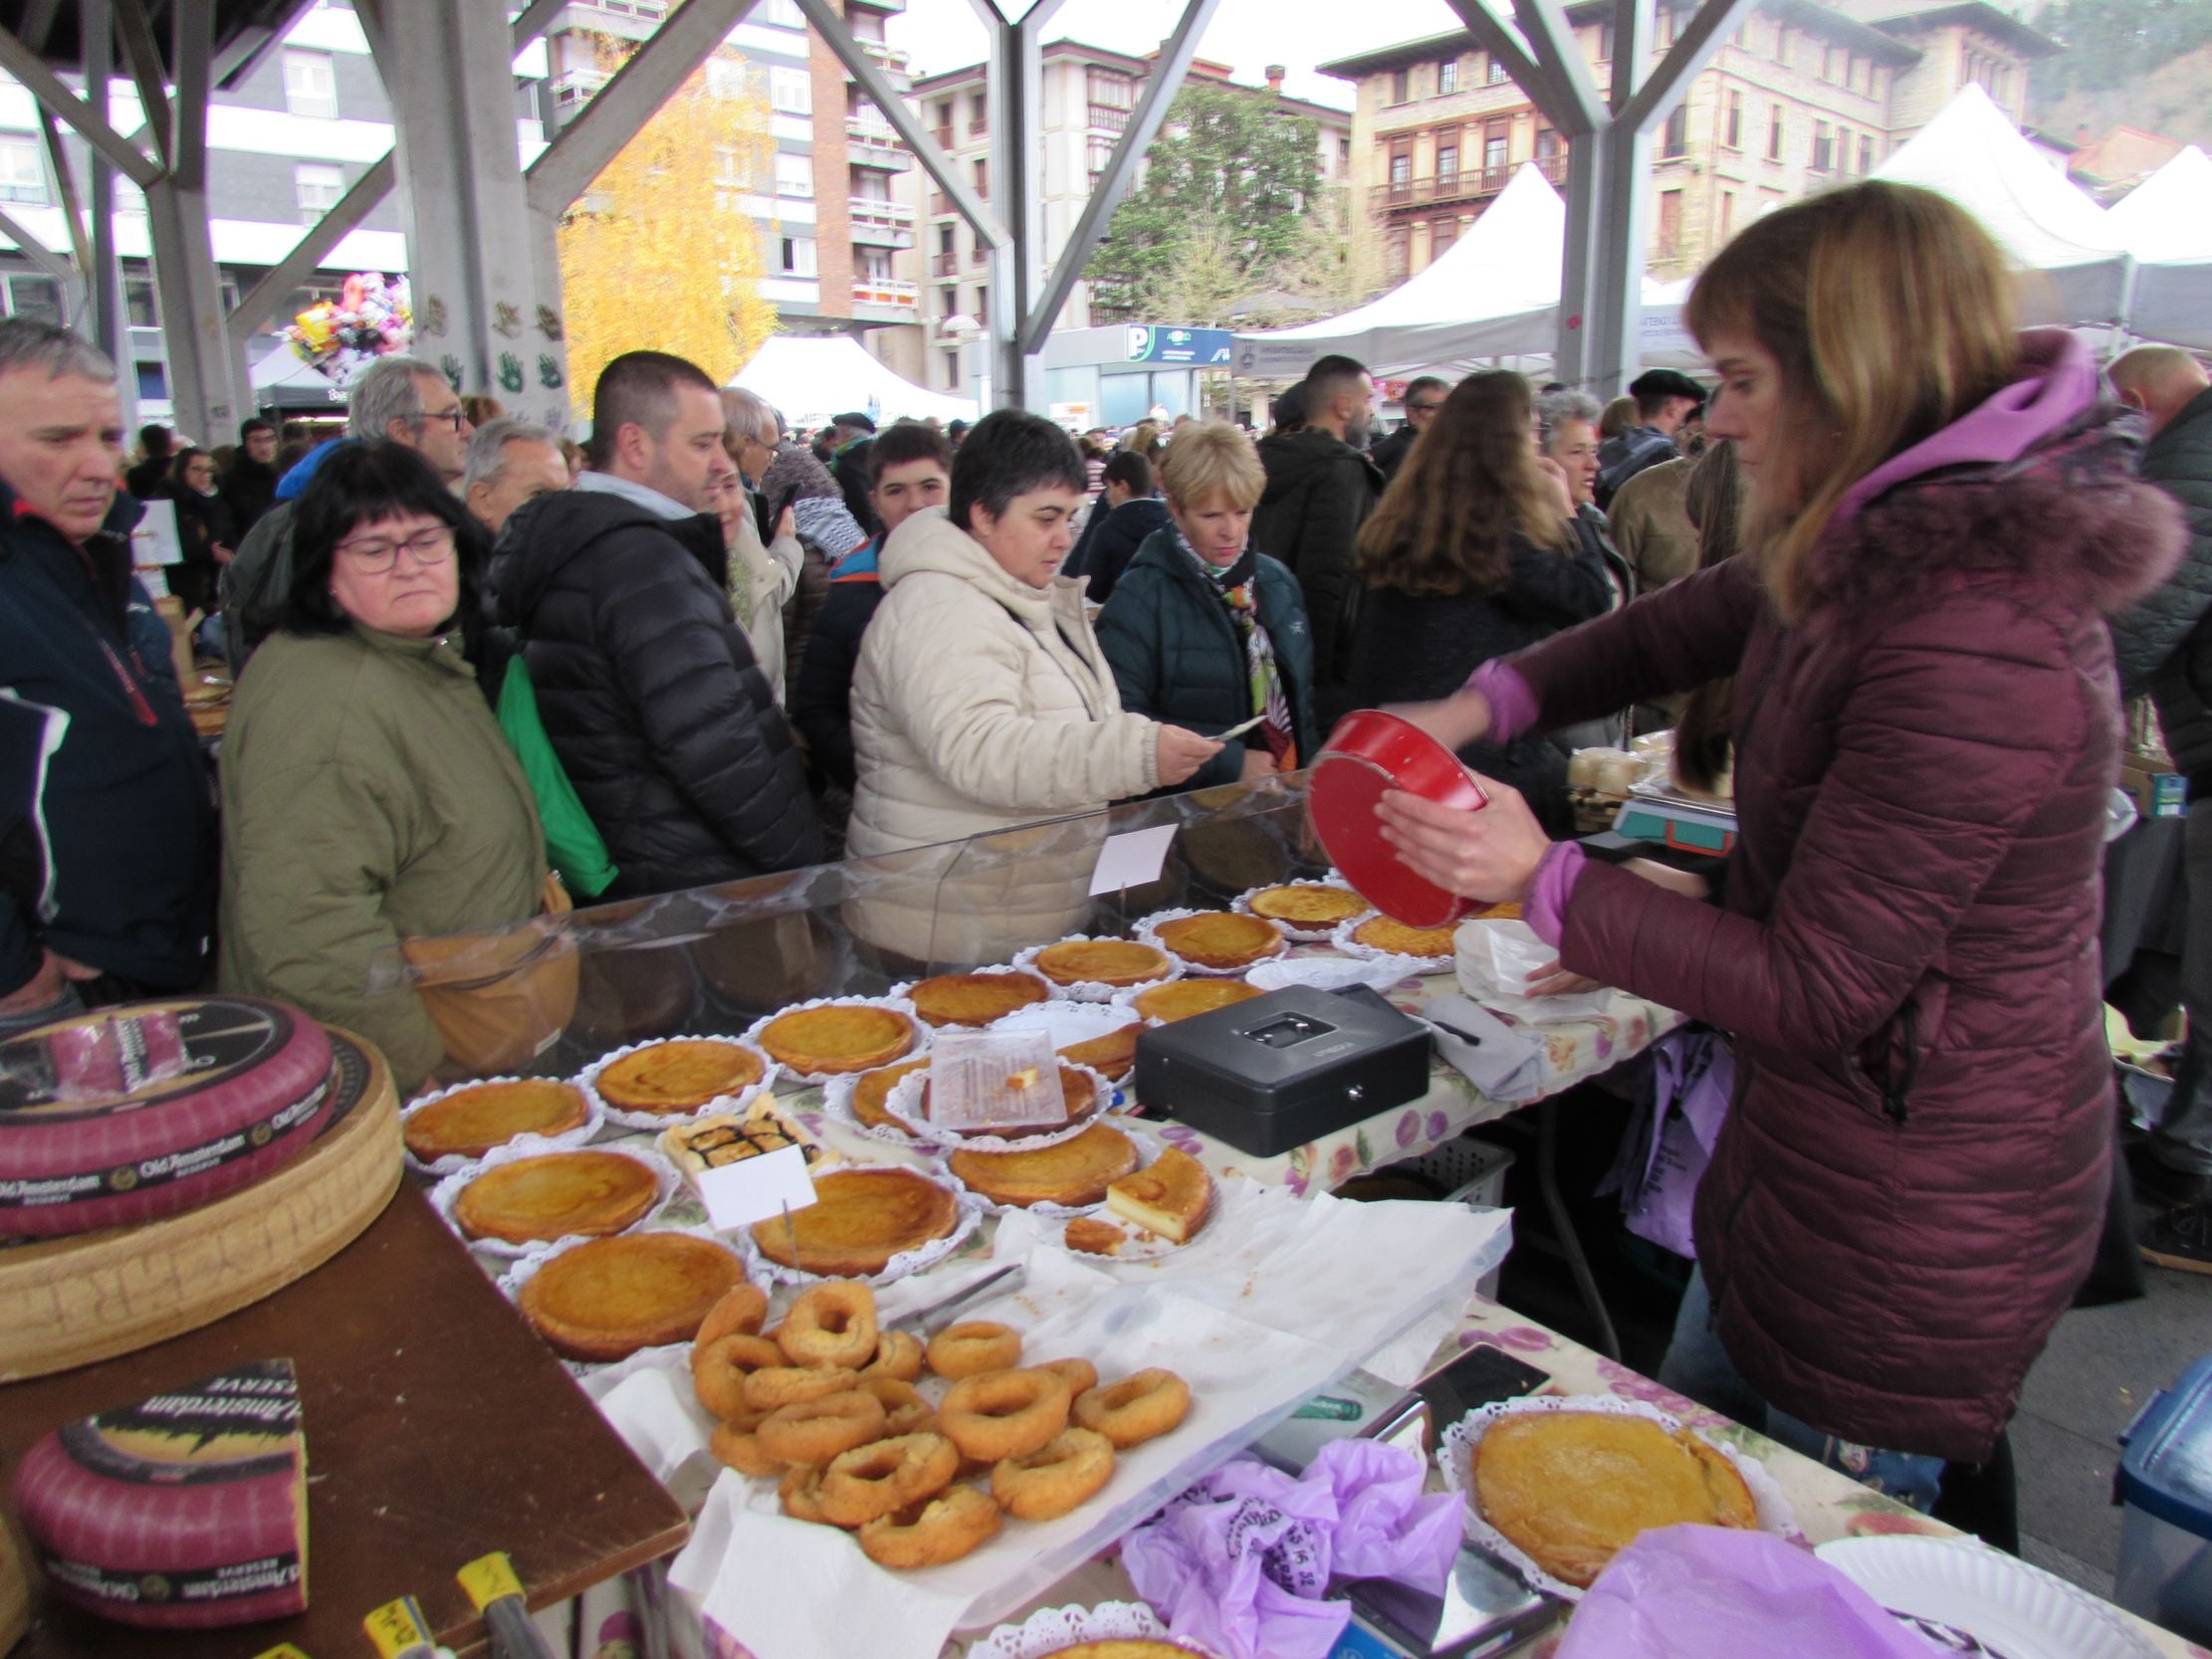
point(367, 797)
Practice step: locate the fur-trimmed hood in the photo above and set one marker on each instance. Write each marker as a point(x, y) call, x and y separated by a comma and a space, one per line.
point(2039, 482)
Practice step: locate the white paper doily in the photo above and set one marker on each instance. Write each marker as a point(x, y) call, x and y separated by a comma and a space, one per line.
point(1243, 905)
point(1126, 1002)
point(1333, 973)
point(511, 1284)
point(444, 1196)
point(1342, 939)
point(1148, 1152)
point(589, 1081)
point(898, 1005)
point(1147, 930)
point(968, 1214)
point(1070, 1023)
point(1456, 1452)
point(905, 992)
point(449, 1163)
point(1138, 1245)
point(837, 1107)
point(1049, 1629)
point(1092, 990)
point(905, 1104)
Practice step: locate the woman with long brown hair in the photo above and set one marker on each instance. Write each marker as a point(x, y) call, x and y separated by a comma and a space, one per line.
point(1470, 555)
point(1943, 510)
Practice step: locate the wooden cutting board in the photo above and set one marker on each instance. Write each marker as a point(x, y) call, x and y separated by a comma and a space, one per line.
point(71, 1301)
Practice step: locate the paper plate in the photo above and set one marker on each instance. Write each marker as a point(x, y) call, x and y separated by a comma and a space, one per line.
point(2013, 1610)
point(1368, 752)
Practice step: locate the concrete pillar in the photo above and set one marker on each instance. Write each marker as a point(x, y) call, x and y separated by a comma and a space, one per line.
point(110, 328)
point(207, 368)
point(1016, 83)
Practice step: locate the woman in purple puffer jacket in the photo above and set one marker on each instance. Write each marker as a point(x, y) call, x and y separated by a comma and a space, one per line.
point(1909, 1185)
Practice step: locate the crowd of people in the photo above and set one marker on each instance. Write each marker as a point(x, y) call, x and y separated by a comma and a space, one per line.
point(467, 665)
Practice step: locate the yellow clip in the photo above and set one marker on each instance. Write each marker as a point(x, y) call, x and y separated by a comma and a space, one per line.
point(488, 1578)
point(397, 1627)
point(283, 1650)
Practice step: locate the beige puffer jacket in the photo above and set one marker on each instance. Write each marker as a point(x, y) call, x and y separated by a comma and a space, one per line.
point(981, 703)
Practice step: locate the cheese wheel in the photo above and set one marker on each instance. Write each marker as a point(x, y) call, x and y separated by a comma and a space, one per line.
point(181, 1512)
point(130, 1113)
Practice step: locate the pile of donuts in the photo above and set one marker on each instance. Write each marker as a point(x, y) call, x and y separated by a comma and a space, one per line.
point(826, 1405)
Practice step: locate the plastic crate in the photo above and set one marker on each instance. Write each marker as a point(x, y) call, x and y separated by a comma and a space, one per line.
point(1473, 1173)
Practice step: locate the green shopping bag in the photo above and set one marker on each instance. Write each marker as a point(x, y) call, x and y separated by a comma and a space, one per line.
point(573, 845)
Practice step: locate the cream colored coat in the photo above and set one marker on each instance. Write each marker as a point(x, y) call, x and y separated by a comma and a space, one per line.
point(981, 703)
point(772, 576)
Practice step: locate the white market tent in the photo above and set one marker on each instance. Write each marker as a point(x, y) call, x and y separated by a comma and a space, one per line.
point(2166, 223)
point(810, 380)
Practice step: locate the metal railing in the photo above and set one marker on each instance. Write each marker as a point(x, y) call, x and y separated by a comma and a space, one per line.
point(885, 291)
point(1474, 184)
point(875, 143)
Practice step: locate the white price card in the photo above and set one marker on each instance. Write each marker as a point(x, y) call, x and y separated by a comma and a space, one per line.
point(754, 1188)
point(1131, 860)
point(155, 541)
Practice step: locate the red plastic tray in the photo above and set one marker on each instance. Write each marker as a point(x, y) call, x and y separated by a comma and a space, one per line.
point(1368, 752)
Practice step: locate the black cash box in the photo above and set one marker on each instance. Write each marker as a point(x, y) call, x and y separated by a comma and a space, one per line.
point(1279, 1070)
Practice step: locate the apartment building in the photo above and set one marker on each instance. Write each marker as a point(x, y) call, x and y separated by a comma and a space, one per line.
point(1089, 95)
point(1801, 96)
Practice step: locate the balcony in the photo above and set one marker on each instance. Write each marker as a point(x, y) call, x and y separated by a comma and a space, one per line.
point(1474, 185)
point(885, 292)
point(875, 143)
point(945, 265)
point(889, 57)
point(881, 224)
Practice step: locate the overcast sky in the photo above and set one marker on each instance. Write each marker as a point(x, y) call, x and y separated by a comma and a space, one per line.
point(1248, 35)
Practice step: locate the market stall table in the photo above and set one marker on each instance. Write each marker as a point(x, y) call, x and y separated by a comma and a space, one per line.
point(439, 1428)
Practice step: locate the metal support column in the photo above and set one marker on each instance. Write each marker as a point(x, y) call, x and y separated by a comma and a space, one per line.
point(1017, 94)
point(110, 325)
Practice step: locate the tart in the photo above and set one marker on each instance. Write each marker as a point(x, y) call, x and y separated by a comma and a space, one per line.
point(1308, 905)
point(1124, 1647)
point(470, 1121)
point(669, 1079)
point(726, 1138)
point(1077, 1093)
point(870, 1092)
point(1094, 1237)
point(838, 1037)
point(1221, 938)
point(1111, 1056)
point(1102, 961)
point(1572, 1487)
point(607, 1299)
point(859, 1220)
point(1172, 1197)
point(556, 1195)
point(1073, 1173)
point(1382, 934)
point(974, 998)
point(1178, 999)
point(1510, 911)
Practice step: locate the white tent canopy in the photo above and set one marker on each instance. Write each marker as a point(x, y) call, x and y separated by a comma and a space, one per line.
point(2169, 215)
point(810, 380)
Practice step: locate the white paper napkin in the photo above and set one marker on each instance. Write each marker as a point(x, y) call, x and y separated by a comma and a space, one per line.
point(1505, 1064)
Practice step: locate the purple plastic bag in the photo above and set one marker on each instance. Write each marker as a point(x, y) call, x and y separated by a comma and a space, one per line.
point(1700, 1592)
point(1693, 1076)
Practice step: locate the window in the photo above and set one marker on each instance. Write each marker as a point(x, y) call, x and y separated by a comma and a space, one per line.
point(36, 297)
point(865, 25)
point(1495, 147)
point(982, 179)
point(1669, 242)
point(315, 186)
point(153, 382)
point(1402, 85)
point(1447, 77)
point(982, 304)
point(1498, 76)
point(1448, 163)
point(1774, 134)
point(1727, 214)
point(1824, 148)
point(947, 300)
point(872, 265)
point(1402, 168)
point(1442, 235)
point(952, 369)
point(1782, 43)
point(1397, 254)
point(1547, 142)
point(1862, 74)
point(22, 170)
point(1111, 97)
point(1843, 149)
point(799, 256)
point(310, 84)
point(1732, 128)
point(784, 14)
point(1100, 151)
point(792, 91)
point(794, 175)
point(945, 122)
point(978, 113)
point(1663, 26)
point(867, 185)
point(945, 235)
point(1866, 154)
point(141, 302)
point(1674, 141)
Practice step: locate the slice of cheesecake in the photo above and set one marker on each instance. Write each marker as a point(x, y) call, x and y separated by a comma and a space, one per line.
point(1170, 1196)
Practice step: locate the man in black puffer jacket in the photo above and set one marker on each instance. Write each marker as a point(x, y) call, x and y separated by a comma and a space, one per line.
point(647, 687)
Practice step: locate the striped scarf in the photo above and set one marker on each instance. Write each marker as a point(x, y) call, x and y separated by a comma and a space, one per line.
point(1238, 586)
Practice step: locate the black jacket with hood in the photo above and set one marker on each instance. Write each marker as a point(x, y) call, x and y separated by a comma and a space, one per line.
point(1319, 492)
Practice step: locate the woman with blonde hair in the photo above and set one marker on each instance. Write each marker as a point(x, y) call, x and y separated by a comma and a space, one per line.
point(1909, 1185)
point(1472, 554)
point(1204, 630)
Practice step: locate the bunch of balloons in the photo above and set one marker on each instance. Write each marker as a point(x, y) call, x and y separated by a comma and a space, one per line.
point(369, 317)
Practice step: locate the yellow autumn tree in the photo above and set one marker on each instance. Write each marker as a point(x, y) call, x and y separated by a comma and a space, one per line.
point(660, 254)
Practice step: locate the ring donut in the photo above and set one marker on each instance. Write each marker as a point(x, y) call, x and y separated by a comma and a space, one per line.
point(831, 1325)
point(933, 1531)
point(974, 1348)
point(744, 1453)
point(1134, 1409)
point(773, 1386)
point(1067, 1469)
point(871, 1481)
point(740, 1313)
point(904, 1410)
point(1002, 1414)
point(719, 1369)
point(898, 1354)
point(814, 1432)
point(1081, 1374)
point(800, 1493)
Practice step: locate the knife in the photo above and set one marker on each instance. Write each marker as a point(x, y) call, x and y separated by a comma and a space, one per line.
point(936, 1316)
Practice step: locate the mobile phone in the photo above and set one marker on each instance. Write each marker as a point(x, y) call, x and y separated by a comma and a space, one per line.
point(1480, 1377)
point(1482, 1609)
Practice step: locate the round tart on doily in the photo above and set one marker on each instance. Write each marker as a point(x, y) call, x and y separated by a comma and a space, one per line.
point(559, 1195)
point(1111, 1056)
point(859, 1220)
point(870, 1090)
point(468, 1123)
point(1383, 933)
point(679, 1076)
point(838, 1037)
point(1221, 938)
point(1073, 1173)
point(1178, 999)
point(974, 998)
point(609, 1297)
point(1308, 905)
point(1102, 961)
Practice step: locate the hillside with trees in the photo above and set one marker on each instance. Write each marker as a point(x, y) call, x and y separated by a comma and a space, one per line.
point(2144, 64)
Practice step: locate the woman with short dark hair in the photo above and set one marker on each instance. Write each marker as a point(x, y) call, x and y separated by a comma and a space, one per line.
point(367, 793)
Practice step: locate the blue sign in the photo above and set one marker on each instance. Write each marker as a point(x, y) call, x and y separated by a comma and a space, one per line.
point(1200, 347)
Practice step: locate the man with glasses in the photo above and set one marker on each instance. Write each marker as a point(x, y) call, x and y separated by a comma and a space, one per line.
point(1423, 397)
point(106, 825)
point(404, 400)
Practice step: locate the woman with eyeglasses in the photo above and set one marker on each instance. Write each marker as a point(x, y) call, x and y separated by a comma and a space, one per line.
point(368, 795)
